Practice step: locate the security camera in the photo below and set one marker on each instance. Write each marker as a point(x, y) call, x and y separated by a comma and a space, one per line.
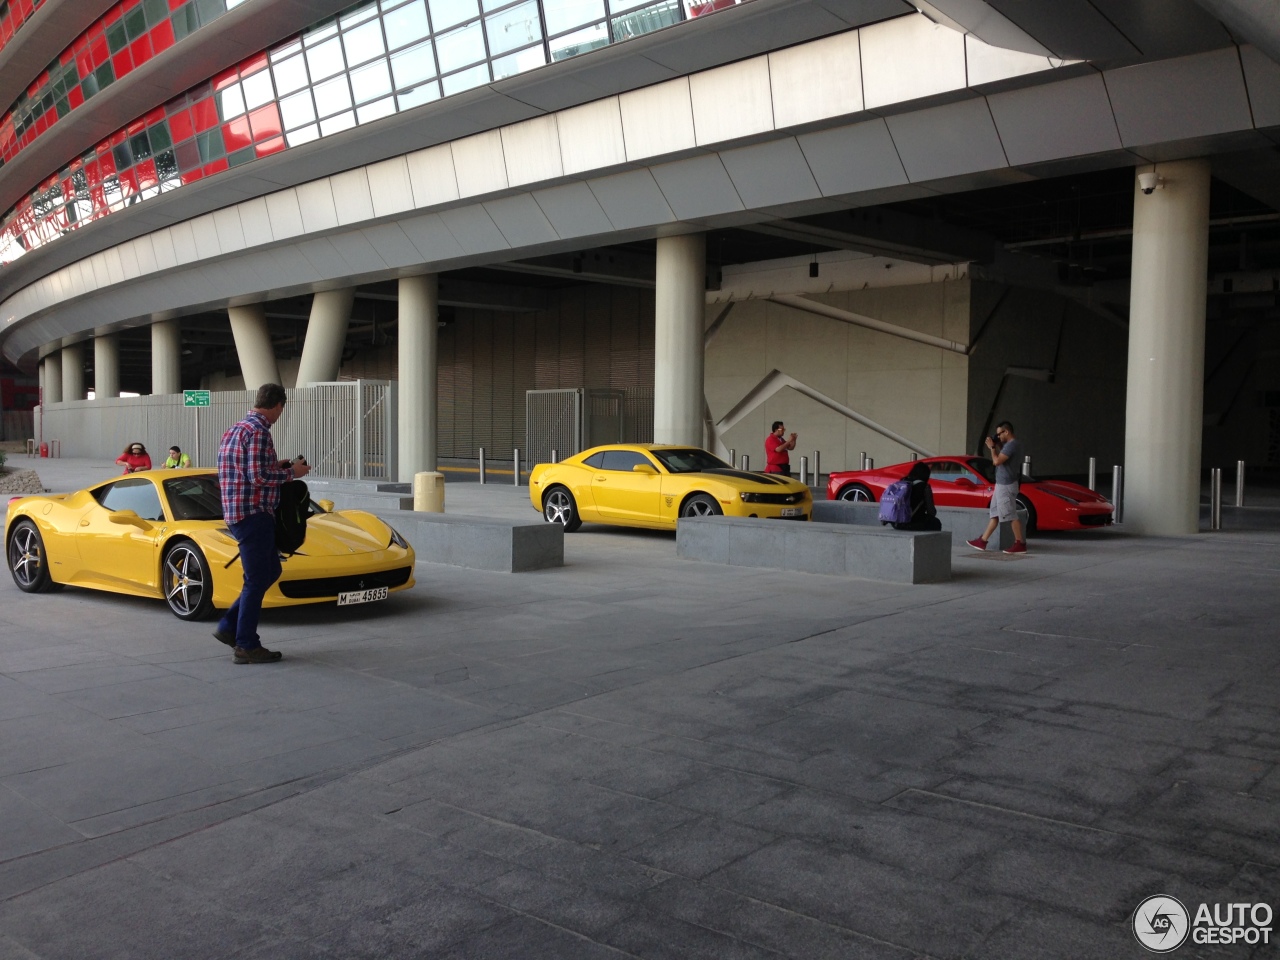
point(1148, 183)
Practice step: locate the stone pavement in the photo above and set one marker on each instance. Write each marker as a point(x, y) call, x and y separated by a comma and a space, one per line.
point(638, 756)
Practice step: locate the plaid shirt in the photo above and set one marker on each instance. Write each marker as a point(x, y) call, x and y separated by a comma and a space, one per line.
point(249, 471)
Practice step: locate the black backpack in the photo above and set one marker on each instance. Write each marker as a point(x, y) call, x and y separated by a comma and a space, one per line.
point(291, 516)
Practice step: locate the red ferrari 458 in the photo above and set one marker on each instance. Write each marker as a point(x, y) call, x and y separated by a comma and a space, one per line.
point(970, 481)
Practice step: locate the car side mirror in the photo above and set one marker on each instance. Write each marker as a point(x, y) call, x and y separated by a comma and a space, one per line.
point(128, 518)
point(326, 505)
point(645, 469)
point(965, 482)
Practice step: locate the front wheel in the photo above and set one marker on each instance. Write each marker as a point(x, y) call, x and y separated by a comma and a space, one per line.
point(188, 584)
point(858, 493)
point(28, 561)
point(558, 506)
point(1023, 503)
point(701, 505)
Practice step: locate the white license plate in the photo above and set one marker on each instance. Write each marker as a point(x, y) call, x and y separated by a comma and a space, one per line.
point(792, 512)
point(362, 596)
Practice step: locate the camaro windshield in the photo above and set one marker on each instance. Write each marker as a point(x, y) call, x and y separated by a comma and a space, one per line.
point(194, 498)
point(691, 460)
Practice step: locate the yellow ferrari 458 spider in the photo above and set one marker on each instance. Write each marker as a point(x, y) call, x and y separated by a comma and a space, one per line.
point(160, 534)
point(653, 485)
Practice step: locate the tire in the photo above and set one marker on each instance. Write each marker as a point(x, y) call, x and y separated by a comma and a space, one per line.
point(857, 492)
point(700, 505)
point(187, 581)
point(1022, 503)
point(28, 561)
point(558, 506)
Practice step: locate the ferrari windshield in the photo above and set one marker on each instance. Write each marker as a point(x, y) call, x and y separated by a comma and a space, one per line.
point(984, 469)
point(689, 460)
point(194, 498)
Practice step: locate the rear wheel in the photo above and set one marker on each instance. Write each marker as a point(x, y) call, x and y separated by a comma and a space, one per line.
point(1024, 504)
point(558, 506)
point(700, 505)
point(857, 492)
point(188, 584)
point(28, 561)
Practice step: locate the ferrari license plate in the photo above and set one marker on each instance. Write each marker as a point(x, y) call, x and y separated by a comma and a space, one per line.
point(792, 512)
point(362, 596)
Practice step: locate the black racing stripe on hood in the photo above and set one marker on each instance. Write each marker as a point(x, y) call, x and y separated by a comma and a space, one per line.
point(741, 475)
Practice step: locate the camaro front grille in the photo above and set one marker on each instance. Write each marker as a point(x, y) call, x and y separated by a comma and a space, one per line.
point(780, 498)
point(332, 586)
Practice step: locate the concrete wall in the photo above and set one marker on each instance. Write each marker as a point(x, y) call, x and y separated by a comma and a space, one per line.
point(919, 391)
point(1241, 397)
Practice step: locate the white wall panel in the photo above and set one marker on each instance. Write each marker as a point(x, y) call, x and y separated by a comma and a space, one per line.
point(392, 244)
point(631, 199)
point(430, 236)
point(987, 64)
point(853, 158)
point(230, 232)
point(351, 200)
point(205, 234)
point(315, 201)
point(732, 101)
point(908, 58)
point(947, 141)
point(285, 213)
point(591, 136)
point(473, 229)
point(255, 220)
point(129, 260)
point(572, 210)
point(479, 165)
point(531, 150)
point(769, 174)
point(431, 174)
point(697, 187)
point(815, 81)
point(521, 221)
point(657, 120)
point(1054, 120)
point(389, 187)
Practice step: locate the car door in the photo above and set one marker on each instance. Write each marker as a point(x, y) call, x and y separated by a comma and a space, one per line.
point(622, 494)
point(122, 554)
point(955, 485)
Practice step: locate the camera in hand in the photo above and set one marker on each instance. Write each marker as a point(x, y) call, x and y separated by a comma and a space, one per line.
point(300, 458)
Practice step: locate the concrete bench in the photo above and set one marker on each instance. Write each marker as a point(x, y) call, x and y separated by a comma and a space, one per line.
point(876, 553)
point(480, 543)
point(963, 523)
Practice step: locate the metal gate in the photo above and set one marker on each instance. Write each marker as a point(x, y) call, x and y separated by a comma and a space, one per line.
point(553, 421)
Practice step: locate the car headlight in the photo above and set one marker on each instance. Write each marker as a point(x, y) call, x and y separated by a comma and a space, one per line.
point(397, 540)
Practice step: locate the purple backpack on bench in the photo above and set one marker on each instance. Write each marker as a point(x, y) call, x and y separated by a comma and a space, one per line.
point(895, 503)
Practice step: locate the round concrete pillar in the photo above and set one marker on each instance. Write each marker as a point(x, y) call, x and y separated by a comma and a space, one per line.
point(73, 372)
point(106, 366)
point(166, 357)
point(326, 336)
point(418, 325)
point(53, 378)
point(1164, 411)
point(679, 306)
point(253, 345)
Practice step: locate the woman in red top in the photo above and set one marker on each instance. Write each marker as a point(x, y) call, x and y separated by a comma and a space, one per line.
point(134, 458)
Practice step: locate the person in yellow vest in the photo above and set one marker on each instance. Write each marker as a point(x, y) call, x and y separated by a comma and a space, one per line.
point(177, 460)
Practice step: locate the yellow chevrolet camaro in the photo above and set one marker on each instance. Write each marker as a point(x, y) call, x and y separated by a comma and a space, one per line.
point(653, 485)
point(160, 533)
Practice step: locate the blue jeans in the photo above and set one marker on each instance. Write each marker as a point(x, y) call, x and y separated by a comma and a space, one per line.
point(260, 561)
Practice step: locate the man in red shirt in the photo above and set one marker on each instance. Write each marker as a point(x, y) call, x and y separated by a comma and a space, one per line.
point(776, 446)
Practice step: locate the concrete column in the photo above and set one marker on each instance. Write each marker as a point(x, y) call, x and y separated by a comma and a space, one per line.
point(419, 310)
point(106, 366)
point(53, 378)
point(73, 372)
point(1164, 412)
point(326, 336)
point(679, 305)
point(253, 345)
point(166, 357)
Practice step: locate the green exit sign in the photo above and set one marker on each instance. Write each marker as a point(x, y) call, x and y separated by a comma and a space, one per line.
point(197, 398)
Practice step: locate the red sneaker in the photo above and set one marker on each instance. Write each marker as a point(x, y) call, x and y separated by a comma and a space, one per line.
point(1019, 546)
point(977, 543)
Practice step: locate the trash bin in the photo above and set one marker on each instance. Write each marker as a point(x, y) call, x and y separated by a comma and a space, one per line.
point(428, 492)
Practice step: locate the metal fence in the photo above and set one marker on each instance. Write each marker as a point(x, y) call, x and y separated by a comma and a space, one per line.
point(572, 420)
point(345, 429)
point(553, 421)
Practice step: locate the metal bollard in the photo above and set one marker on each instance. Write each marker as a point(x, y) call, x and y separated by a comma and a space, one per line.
point(515, 474)
point(482, 464)
point(1117, 493)
point(1026, 465)
point(555, 455)
point(733, 456)
point(1093, 473)
point(817, 468)
point(914, 457)
point(1239, 483)
point(804, 470)
point(862, 460)
point(746, 463)
point(871, 463)
point(1215, 499)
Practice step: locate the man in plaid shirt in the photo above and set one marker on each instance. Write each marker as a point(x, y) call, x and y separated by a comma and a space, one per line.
point(250, 475)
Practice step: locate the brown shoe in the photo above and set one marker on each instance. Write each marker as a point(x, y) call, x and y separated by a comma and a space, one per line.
point(257, 655)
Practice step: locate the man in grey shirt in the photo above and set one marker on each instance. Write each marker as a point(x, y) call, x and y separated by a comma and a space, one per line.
point(1006, 454)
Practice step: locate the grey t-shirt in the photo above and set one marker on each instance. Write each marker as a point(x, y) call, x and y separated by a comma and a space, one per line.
point(1009, 471)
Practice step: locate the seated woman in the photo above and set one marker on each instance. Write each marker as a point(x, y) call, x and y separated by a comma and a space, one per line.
point(924, 515)
point(177, 460)
point(134, 458)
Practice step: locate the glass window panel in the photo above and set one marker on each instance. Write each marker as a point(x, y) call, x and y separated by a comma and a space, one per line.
point(343, 121)
point(315, 36)
point(288, 50)
point(407, 24)
point(519, 62)
point(414, 65)
point(364, 43)
point(565, 14)
point(457, 48)
point(325, 59)
point(258, 90)
point(210, 10)
point(230, 102)
point(116, 37)
point(332, 96)
point(156, 10)
point(514, 27)
point(466, 79)
point(419, 95)
point(376, 110)
point(305, 135)
point(159, 135)
point(583, 41)
point(360, 14)
point(297, 110)
point(135, 23)
point(646, 20)
point(290, 75)
point(371, 82)
point(140, 146)
point(446, 13)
